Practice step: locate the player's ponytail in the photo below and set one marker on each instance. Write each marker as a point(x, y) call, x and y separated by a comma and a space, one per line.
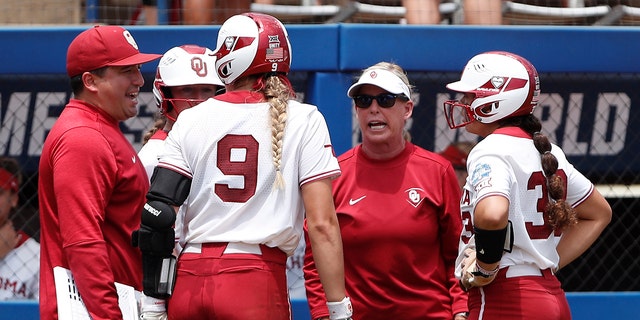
point(558, 213)
point(278, 91)
point(158, 124)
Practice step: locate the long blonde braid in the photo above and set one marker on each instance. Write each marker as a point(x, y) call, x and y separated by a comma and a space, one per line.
point(277, 91)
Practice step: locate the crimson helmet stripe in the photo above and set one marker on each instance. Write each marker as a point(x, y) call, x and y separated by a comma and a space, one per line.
point(515, 84)
point(193, 49)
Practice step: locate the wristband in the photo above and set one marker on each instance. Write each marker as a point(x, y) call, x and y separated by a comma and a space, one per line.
point(340, 310)
point(480, 271)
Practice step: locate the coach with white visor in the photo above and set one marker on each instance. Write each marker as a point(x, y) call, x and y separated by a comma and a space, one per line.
point(399, 213)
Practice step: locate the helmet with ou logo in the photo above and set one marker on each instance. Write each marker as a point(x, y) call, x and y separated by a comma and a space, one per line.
point(252, 43)
point(504, 85)
point(182, 66)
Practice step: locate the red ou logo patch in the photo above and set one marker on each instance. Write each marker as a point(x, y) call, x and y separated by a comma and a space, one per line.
point(199, 66)
point(414, 196)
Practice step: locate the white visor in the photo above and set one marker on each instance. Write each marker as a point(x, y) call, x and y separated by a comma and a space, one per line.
point(383, 79)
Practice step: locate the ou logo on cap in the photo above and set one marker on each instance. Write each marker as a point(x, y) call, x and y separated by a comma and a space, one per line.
point(130, 39)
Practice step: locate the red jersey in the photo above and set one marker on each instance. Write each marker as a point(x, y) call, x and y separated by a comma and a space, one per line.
point(92, 187)
point(400, 224)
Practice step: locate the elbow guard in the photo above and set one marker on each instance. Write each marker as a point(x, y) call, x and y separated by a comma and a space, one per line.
point(156, 240)
point(490, 244)
point(158, 215)
point(156, 235)
point(169, 186)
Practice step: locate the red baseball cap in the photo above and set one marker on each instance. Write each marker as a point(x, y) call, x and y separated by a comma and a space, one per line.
point(103, 46)
point(8, 181)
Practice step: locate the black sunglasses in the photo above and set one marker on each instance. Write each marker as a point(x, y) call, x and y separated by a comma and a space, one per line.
point(385, 100)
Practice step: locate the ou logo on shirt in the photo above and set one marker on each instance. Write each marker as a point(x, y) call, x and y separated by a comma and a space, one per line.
point(415, 196)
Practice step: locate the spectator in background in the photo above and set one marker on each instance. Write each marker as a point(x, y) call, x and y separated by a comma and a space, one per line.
point(206, 12)
point(457, 153)
point(476, 12)
point(92, 184)
point(186, 76)
point(482, 12)
point(422, 11)
point(19, 253)
point(150, 9)
point(399, 213)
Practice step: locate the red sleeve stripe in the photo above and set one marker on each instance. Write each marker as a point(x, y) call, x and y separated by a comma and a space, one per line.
point(331, 174)
point(502, 194)
point(176, 169)
point(577, 203)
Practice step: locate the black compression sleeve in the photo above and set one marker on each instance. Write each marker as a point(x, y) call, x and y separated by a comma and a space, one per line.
point(490, 244)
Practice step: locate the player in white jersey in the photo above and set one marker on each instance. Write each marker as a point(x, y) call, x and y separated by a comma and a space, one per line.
point(248, 165)
point(185, 76)
point(526, 211)
point(19, 253)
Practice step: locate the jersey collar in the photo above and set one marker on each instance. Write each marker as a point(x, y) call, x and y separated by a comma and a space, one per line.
point(513, 131)
point(242, 96)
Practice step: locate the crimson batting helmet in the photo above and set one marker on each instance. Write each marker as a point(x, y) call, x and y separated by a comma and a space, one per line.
point(182, 66)
point(504, 85)
point(252, 43)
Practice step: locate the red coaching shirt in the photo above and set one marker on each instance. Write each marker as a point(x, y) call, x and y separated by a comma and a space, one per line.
point(400, 223)
point(92, 187)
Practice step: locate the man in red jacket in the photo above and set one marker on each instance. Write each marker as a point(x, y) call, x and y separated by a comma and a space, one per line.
point(92, 184)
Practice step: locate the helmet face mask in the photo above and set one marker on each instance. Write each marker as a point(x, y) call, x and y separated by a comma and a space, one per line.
point(458, 114)
point(186, 65)
point(176, 105)
point(504, 85)
point(252, 43)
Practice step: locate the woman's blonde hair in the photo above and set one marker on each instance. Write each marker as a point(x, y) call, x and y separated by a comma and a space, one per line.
point(278, 91)
point(393, 68)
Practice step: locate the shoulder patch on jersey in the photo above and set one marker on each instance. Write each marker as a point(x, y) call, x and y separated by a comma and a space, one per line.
point(480, 177)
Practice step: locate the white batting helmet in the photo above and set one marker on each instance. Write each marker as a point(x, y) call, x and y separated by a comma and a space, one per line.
point(182, 66)
point(252, 43)
point(504, 84)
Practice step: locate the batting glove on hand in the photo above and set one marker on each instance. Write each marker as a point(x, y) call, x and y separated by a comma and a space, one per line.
point(472, 274)
point(151, 315)
point(342, 310)
point(152, 308)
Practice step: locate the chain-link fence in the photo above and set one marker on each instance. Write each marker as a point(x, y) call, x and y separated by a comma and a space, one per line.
point(594, 118)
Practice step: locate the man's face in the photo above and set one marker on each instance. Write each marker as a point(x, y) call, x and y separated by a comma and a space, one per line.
point(118, 90)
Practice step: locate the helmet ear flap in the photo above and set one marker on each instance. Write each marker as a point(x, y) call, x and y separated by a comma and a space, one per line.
point(486, 110)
